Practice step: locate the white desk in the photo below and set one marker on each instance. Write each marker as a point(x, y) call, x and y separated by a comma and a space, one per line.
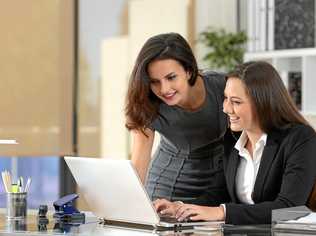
point(93, 228)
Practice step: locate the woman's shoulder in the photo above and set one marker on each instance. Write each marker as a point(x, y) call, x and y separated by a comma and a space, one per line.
point(302, 130)
point(214, 79)
point(213, 75)
point(296, 134)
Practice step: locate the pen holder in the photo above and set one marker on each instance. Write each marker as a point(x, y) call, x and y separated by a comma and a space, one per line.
point(16, 205)
point(13, 225)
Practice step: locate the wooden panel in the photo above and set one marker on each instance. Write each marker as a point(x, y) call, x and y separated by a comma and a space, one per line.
point(36, 69)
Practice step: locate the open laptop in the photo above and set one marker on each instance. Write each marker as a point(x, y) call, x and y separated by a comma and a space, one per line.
point(115, 194)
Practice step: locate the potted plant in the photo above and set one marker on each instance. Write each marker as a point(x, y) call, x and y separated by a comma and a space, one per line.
point(226, 49)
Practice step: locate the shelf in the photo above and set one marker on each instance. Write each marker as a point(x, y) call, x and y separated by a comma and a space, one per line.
point(292, 61)
point(289, 53)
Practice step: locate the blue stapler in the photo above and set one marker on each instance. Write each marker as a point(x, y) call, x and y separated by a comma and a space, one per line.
point(66, 211)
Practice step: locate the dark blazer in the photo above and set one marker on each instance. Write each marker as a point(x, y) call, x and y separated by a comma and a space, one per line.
point(285, 177)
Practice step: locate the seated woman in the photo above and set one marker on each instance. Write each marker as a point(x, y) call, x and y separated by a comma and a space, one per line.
point(272, 165)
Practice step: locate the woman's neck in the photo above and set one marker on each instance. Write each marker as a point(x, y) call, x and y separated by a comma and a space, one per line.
point(253, 137)
point(196, 95)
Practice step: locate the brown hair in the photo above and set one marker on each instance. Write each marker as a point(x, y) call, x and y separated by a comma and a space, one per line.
point(271, 102)
point(142, 106)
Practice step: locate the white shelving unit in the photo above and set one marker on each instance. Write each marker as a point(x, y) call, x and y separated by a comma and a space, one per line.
point(303, 60)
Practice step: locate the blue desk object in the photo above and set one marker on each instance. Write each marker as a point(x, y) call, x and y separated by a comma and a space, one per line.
point(65, 210)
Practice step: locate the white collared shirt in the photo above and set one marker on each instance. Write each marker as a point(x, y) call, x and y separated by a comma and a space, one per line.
point(248, 167)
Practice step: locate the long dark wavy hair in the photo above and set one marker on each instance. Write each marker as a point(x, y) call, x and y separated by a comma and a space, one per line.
point(271, 101)
point(142, 106)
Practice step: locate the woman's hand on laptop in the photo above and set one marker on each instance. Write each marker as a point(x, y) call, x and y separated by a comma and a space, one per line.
point(165, 207)
point(196, 212)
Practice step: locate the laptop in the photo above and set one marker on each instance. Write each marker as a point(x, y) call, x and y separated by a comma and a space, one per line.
point(116, 195)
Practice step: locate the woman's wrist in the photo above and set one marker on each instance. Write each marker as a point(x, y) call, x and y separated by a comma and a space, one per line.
point(221, 212)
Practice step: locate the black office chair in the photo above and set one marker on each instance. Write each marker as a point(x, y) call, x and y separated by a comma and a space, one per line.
point(311, 202)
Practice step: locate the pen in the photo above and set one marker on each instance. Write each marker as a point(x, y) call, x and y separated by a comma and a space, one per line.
point(8, 178)
point(4, 180)
point(28, 183)
point(20, 184)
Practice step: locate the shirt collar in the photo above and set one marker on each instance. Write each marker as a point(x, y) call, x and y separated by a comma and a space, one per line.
point(241, 142)
point(262, 140)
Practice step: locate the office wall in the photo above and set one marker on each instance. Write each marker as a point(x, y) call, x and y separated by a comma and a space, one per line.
point(98, 21)
point(311, 119)
point(148, 18)
point(217, 14)
point(113, 86)
point(36, 70)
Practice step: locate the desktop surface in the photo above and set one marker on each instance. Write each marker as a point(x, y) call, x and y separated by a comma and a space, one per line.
point(31, 226)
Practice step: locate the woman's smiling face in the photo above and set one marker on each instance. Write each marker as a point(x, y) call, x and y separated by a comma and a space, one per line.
point(237, 105)
point(169, 81)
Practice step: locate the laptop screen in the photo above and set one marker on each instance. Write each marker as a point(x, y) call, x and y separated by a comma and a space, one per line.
point(112, 189)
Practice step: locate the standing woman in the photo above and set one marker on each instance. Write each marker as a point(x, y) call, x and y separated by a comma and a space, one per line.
point(272, 165)
point(169, 95)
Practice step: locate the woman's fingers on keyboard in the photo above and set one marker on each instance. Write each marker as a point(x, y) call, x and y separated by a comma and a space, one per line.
point(171, 208)
point(161, 204)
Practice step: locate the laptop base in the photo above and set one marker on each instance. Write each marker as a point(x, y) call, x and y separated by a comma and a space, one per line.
point(174, 228)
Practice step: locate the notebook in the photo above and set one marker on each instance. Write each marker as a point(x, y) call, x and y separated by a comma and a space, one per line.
point(116, 195)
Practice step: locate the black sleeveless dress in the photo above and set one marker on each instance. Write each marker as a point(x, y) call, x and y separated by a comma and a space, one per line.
point(188, 161)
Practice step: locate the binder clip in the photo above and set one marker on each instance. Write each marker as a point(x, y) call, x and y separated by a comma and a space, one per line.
point(66, 212)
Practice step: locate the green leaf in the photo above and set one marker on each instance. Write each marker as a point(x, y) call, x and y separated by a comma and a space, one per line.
point(225, 50)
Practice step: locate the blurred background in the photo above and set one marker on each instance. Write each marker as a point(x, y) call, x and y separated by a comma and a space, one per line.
point(65, 64)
